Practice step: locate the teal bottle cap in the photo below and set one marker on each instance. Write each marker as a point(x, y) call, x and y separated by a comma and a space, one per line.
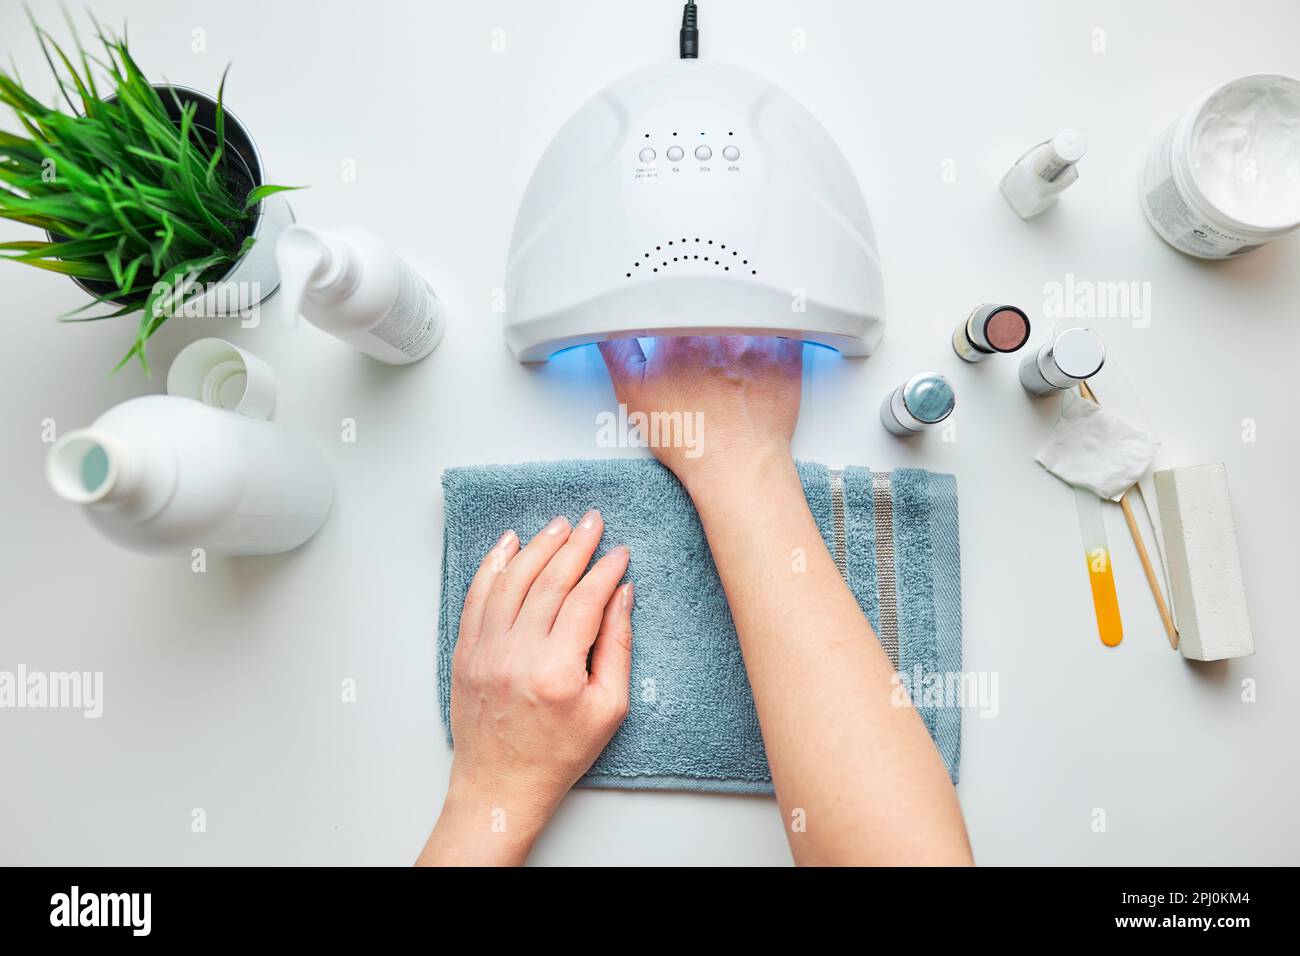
point(929, 397)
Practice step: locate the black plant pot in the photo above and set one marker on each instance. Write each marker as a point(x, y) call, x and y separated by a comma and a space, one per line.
point(256, 271)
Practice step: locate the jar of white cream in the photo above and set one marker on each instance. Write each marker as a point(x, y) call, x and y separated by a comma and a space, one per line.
point(1225, 177)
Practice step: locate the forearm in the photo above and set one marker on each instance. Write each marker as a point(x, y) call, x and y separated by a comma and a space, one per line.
point(474, 830)
point(857, 777)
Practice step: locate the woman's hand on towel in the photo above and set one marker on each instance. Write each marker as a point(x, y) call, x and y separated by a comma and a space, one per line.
point(528, 716)
point(741, 394)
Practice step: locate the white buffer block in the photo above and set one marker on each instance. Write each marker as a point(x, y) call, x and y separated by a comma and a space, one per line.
point(1204, 567)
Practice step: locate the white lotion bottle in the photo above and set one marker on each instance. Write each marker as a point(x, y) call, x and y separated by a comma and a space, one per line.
point(1039, 177)
point(350, 284)
point(164, 475)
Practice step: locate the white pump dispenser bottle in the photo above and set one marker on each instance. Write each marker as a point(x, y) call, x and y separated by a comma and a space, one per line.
point(165, 475)
point(352, 285)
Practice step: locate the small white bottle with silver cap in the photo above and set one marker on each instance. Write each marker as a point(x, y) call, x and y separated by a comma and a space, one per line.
point(1073, 356)
point(1040, 176)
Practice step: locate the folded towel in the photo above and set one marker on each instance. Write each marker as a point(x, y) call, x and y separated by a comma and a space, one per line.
point(692, 723)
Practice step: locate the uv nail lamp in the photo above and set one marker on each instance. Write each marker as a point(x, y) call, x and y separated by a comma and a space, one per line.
point(692, 198)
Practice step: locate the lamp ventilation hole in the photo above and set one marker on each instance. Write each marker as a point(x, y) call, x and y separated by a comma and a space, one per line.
point(714, 255)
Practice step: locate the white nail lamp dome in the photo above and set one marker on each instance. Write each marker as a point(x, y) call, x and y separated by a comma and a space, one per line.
point(692, 198)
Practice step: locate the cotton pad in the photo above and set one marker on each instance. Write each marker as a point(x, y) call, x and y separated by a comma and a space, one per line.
point(1095, 448)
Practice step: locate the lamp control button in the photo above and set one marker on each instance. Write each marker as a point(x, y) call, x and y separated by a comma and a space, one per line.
point(731, 153)
point(675, 153)
point(646, 155)
point(703, 153)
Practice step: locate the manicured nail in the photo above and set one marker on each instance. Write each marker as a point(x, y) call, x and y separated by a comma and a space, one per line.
point(589, 519)
point(556, 526)
point(627, 595)
point(505, 539)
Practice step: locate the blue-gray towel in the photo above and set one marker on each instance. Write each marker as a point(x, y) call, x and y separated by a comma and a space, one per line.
point(692, 723)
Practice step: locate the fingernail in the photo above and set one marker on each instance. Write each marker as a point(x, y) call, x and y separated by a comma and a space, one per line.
point(556, 526)
point(621, 549)
point(627, 595)
point(505, 539)
point(589, 519)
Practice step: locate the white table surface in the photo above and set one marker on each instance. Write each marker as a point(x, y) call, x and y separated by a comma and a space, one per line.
point(222, 690)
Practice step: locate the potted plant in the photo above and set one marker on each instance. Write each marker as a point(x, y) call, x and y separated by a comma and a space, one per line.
point(152, 197)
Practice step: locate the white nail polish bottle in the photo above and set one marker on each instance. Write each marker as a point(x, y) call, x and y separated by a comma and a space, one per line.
point(1043, 173)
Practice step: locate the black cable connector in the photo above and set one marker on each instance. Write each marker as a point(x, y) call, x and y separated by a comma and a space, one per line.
point(688, 42)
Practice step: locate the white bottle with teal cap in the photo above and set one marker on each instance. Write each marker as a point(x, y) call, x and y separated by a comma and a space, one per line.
point(167, 475)
point(350, 284)
point(199, 468)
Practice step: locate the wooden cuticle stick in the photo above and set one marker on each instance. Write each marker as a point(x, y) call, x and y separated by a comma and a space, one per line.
point(1152, 580)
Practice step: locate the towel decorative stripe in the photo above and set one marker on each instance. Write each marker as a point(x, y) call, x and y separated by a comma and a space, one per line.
point(692, 723)
point(840, 551)
point(883, 507)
